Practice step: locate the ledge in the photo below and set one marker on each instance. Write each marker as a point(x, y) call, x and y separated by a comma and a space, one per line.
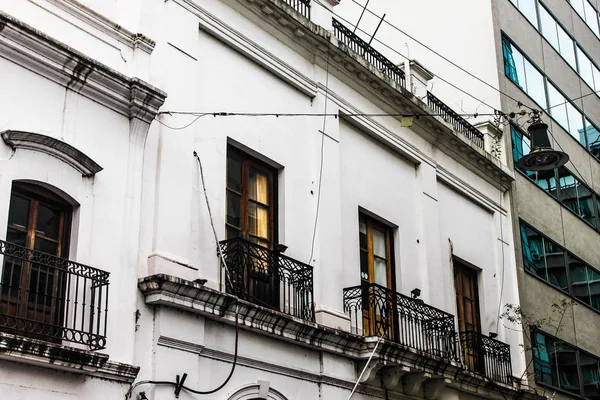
point(59, 63)
point(52, 355)
point(170, 291)
point(53, 147)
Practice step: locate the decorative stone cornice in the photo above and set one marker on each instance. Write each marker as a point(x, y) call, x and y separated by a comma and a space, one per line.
point(105, 25)
point(55, 356)
point(54, 60)
point(54, 147)
point(170, 291)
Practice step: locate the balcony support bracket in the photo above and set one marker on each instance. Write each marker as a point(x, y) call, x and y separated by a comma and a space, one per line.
point(392, 377)
point(412, 382)
point(370, 374)
point(434, 387)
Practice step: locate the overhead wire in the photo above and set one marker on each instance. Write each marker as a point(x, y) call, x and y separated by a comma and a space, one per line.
point(322, 156)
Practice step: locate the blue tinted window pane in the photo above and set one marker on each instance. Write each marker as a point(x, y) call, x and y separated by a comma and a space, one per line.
point(578, 275)
point(542, 348)
point(555, 266)
point(593, 139)
point(590, 375)
point(532, 246)
point(547, 181)
point(594, 288)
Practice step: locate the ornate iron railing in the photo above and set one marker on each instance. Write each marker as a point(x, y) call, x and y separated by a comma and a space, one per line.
point(380, 311)
point(486, 356)
point(302, 6)
point(374, 57)
point(459, 124)
point(51, 298)
point(268, 278)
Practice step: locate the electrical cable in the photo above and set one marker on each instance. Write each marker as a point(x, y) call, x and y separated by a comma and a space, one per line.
point(212, 224)
point(408, 60)
point(314, 235)
point(453, 63)
point(365, 367)
point(335, 115)
point(182, 127)
point(438, 54)
point(199, 392)
point(503, 269)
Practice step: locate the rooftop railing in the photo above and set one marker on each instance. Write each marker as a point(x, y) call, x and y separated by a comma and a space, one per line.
point(458, 123)
point(302, 6)
point(51, 298)
point(268, 278)
point(380, 311)
point(374, 57)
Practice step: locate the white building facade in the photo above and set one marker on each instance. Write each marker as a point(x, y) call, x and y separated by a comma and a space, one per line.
point(252, 201)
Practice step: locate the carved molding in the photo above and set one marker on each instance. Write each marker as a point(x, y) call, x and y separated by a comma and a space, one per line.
point(392, 377)
point(169, 291)
point(412, 382)
point(51, 59)
point(53, 147)
point(52, 355)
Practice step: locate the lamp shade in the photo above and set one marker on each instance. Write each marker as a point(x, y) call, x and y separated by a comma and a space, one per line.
point(541, 157)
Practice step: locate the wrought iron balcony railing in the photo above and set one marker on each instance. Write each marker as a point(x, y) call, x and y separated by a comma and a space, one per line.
point(374, 57)
point(486, 356)
point(50, 298)
point(410, 322)
point(459, 124)
point(302, 6)
point(268, 278)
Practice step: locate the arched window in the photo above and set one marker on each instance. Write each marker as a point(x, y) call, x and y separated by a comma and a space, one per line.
point(258, 391)
point(33, 282)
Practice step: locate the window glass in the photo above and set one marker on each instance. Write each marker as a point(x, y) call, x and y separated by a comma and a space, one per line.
point(576, 124)
point(585, 67)
point(578, 6)
point(558, 107)
point(555, 265)
point(576, 196)
point(593, 139)
point(533, 252)
point(590, 375)
point(548, 25)
point(527, 7)
point(535, 84)
point(591, 17)
point(578, 275)
point(594, 288)
point(567, 47)
point(596, 73)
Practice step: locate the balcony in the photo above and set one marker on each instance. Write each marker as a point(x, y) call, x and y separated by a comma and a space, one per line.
point(486, 356)
point(399, 318)
point(302, 6)
point(268, 278)
point(52, 299)
point(374, 57)
point(459, 124)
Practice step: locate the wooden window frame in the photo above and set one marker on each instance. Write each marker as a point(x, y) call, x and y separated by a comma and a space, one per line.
point(461, 267)
point(39, 196)
point(249, 162)
point(371, 320)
